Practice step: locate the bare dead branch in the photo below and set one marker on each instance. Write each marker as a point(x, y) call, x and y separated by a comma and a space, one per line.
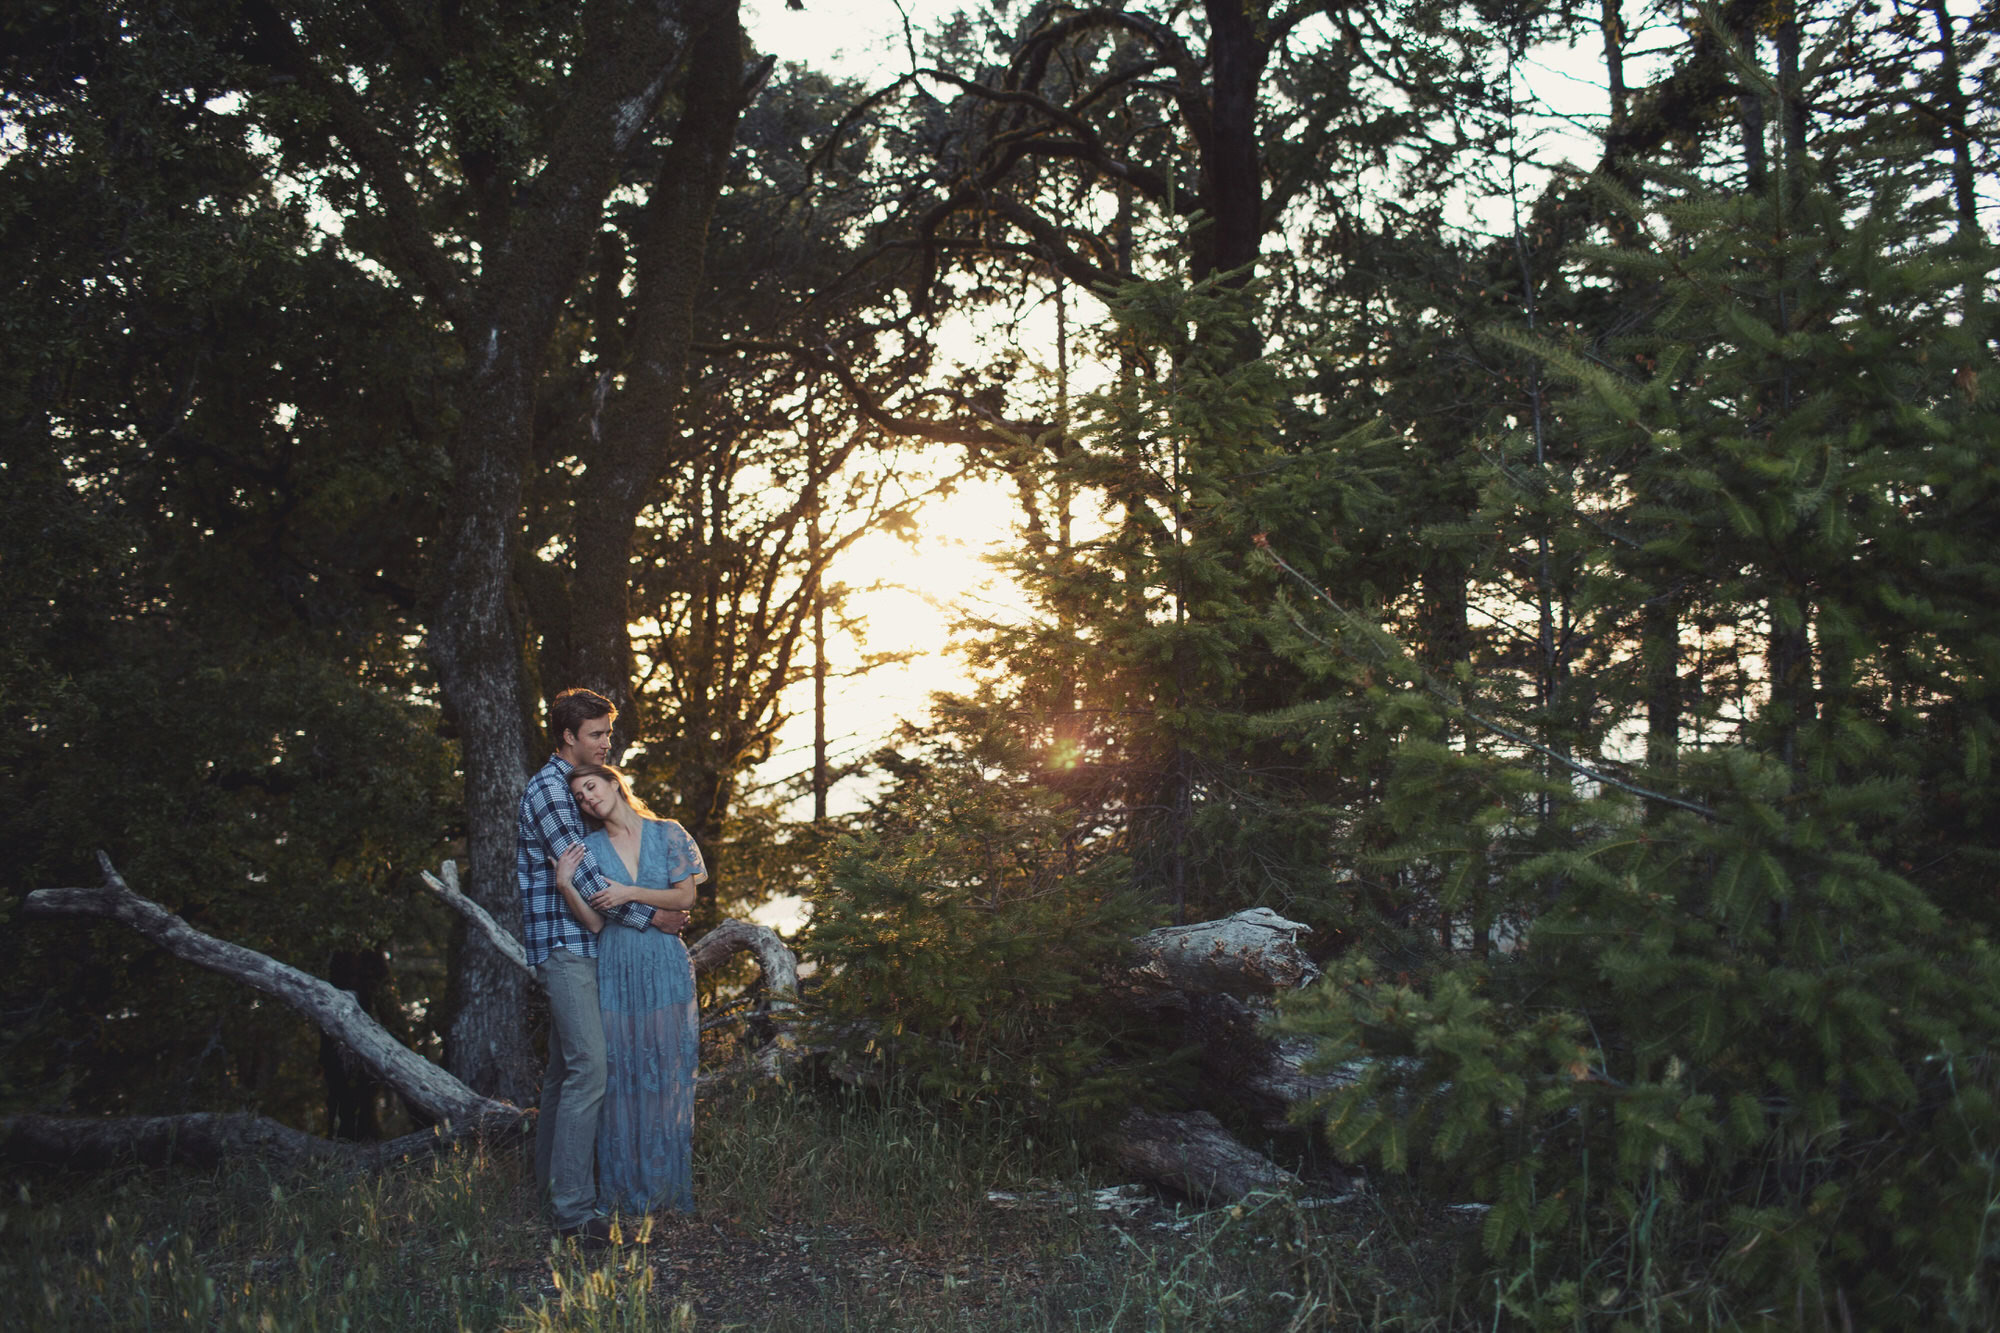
point(334, 1011)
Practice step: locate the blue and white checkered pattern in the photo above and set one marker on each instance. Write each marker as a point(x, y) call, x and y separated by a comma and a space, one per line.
point(549, 823)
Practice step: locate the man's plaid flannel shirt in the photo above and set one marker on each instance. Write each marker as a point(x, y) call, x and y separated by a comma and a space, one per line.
point(549, 823)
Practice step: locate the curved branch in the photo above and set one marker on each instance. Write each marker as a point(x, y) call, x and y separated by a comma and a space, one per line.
point(999, 434)
point(1159, 36)
point(380, 161)
point(779, 964)
point(1086, 146)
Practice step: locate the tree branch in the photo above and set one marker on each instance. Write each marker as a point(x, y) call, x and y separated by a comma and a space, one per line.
point(779, 964)
point(999, 434)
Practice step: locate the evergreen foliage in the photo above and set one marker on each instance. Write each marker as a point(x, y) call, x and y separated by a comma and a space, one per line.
point(1742, 1061)
point(213, 509)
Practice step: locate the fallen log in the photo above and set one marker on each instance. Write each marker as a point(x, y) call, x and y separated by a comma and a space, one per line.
point(1240, 1059)
point(1192, 1153)
point(210, 1139)
point(1219, 977)
point(1207, 968)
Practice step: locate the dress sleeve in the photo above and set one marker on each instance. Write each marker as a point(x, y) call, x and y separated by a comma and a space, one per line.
point(680, 858)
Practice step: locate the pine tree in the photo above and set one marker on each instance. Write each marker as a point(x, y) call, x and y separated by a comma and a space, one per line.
point(1742, 1061)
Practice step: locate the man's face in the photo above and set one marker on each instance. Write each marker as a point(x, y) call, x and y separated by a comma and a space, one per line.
point(591, 744)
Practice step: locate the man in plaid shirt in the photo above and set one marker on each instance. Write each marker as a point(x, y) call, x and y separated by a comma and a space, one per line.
point(564, 956)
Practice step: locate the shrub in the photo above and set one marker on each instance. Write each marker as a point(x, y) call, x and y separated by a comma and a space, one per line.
point(963, 943)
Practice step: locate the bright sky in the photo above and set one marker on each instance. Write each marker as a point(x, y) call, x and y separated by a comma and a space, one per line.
point(858, 37)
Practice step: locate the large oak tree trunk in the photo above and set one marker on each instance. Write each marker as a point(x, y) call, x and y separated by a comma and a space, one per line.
point(632, 438)
point(537, 251)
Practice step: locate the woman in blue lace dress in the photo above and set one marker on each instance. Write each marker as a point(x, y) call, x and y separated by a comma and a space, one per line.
point(645, 987)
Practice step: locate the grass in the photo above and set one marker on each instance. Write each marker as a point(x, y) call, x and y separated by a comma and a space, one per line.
point(818, 1212)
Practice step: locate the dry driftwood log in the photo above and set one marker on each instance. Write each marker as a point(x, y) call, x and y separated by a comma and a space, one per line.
point(334, 1011)
point(1215, 972)
point(1219, 978)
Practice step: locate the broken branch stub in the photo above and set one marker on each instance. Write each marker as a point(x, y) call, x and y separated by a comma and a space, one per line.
point(482, 920)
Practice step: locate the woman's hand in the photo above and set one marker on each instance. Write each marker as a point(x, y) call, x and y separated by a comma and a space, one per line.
point(613, 896)
point(566, 865)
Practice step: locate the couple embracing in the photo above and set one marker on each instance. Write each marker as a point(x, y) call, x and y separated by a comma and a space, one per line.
point(605, 891)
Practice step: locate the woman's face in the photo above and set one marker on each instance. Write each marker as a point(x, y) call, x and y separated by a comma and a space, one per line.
point(595, 796)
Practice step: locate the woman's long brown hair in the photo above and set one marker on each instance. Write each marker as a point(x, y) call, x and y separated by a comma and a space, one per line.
point(617, 776)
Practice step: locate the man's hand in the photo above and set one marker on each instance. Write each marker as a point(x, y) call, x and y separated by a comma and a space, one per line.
point(670, 919)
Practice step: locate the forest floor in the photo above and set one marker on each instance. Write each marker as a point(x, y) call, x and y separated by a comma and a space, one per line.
point(816, 1211)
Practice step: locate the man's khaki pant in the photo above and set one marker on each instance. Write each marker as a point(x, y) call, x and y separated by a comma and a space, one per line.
point(572, 1088)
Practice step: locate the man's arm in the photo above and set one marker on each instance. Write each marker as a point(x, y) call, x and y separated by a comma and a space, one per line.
point(561, 827)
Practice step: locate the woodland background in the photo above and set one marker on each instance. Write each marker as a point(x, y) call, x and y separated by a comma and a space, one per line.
point(1568, 587)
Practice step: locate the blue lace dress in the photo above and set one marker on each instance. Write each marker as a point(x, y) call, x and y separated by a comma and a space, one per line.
point(652, 1031)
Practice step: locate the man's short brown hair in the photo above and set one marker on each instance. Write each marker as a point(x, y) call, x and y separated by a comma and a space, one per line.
point(569, 710)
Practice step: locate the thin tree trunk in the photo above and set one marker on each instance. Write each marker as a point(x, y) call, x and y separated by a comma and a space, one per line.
point(1964, 178)
point(815, 557)
point(1660, 651)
